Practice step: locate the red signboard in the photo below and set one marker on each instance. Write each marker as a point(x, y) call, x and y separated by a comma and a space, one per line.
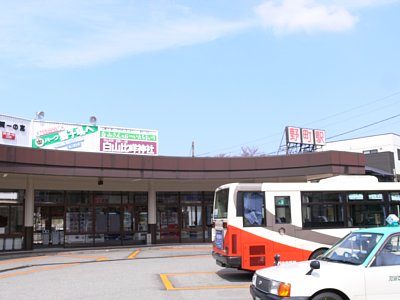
point(8, 135)
point(319, 136)
point(307, 136)
point(293, 135)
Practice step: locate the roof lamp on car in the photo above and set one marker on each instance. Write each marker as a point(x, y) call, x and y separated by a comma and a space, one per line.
point(392, 220)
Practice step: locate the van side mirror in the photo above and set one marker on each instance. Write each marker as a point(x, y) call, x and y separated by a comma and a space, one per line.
point(314, 265)
point(277, 258)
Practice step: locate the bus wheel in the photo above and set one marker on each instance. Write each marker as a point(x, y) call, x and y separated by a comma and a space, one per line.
point(318, 252)
point(327, 296)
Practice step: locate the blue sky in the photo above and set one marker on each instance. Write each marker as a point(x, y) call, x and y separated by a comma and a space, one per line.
point(225, 74)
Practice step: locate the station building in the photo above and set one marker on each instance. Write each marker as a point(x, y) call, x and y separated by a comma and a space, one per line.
point(382, 153)
point(54, 192)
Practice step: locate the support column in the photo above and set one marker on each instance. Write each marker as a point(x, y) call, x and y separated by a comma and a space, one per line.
point(28, 216)
point(152, 213)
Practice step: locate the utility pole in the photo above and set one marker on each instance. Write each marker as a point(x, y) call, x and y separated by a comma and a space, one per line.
point(193, 149)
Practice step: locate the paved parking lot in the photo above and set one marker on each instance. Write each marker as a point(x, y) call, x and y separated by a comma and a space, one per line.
point(157, 272)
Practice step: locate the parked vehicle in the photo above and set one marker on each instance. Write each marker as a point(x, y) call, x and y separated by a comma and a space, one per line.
point(365, 264)
point(254, 221)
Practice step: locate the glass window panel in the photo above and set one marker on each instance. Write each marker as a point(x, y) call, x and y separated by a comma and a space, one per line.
point(140, 198)
point(11, 197)
point(368, 214)
point(167, 221)
point(311, 197)
point(253, 205)
point(72, 219)
point(323, 215)
point(124, 197)
point(355, 197)
point(113, 220)
point(221, 204)
point(114, 198)
point(208, 196)
point(395, 209)
point(193, 196)
point(78, 219)
point(4, 219)
point(332, 197)
point(85, 220)
point(395, 196)
point(167, 198)
point(129, 220)
point(49, 197)
point(142, 222)
point(282, 209)
point(77, 198)
point(108, 198)
point(191, 216)
point(375, 196)
point(16, 219)
point(101, 219)
point(321, 197)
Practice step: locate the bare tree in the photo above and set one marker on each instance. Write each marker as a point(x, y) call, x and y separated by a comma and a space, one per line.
point(248, 151)
point(222, 155)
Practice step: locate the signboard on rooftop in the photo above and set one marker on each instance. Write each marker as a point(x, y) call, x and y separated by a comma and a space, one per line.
point(77, 137)
point(298, 135)
point(303, 139)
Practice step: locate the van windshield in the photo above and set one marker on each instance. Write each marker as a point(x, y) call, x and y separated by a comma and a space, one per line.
point(352, 249)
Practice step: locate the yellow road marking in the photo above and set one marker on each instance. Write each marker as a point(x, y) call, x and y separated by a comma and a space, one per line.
point(184, 249)
point(170, 287)
point(98, 258)
point(20, 260)
point(190, 256)
point(37, 270)
point(102, 259)
point(133, 255)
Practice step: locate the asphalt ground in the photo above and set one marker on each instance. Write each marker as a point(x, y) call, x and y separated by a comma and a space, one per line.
point(184, 271)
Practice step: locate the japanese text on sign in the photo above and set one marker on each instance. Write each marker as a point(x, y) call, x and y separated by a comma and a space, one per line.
point(306, 136)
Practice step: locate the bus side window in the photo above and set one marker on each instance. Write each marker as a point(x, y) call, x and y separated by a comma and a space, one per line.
point(253, 207)
point(282, 210)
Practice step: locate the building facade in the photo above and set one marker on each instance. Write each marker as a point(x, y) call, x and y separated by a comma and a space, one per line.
point(382, 152)
point(57, 198)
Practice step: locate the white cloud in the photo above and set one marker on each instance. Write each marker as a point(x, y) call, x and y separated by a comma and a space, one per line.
point(357, 4)
point(290, 16)
point(75, 33)
point(71, 33)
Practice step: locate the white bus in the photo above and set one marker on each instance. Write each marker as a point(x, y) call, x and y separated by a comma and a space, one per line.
point(253, 222)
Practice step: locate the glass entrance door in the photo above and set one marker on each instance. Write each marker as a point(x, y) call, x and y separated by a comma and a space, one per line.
point(192, 222)
point(168, 230)
point(48, 226)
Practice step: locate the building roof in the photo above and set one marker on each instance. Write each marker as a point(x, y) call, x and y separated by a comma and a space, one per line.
point(298, 167)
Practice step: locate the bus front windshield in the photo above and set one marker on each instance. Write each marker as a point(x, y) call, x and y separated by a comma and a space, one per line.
point(352, 249)
point(221, 204)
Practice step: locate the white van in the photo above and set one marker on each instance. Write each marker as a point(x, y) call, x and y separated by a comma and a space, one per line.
point(363, 265)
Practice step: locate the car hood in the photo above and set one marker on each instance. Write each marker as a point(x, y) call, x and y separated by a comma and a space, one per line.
point(296, 272)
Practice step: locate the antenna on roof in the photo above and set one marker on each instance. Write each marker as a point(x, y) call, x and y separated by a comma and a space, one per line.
point(39, 115)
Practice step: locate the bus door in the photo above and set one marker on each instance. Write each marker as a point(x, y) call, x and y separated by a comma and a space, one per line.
point(282, 218)
point(254, 248)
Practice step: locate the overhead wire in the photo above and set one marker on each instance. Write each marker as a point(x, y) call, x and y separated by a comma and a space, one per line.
point(362, 127)
point(324, 119)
